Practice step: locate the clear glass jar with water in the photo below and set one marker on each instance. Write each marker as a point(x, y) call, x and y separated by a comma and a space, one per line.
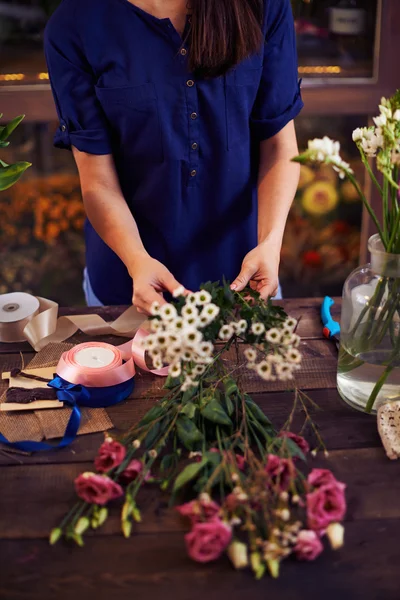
point(369, 355)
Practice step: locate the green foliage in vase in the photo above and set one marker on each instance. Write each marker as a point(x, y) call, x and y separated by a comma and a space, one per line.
point(9, 174)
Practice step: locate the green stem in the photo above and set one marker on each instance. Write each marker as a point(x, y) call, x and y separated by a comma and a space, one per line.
point(385, 206)
point(370, 171)
point(378, 386)
point(367, 205)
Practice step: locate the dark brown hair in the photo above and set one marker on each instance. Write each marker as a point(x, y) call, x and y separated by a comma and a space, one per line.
point(223, 33)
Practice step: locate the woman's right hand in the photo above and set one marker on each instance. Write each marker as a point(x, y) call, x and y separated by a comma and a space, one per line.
point(150, 279)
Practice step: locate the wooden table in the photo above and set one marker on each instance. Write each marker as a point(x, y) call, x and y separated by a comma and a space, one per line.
point(36, 492)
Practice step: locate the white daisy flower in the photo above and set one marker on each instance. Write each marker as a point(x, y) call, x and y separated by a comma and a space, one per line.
point(291, 340)
point(199, 369)
point(273, 336)
point(226, 332)
point(191, 300)
point(156, 325)
point(175, 369)
point(241, 326)
point(149, 342)
point(173, 351)
point(157, 363)
point(189, 310)
point(284, 371)
point(155, 352)
point(204, 320)
point(205, 348)
point(162, 340)
point(274, 358)
point(178, 324)
point(178, 292)
point(155, 308)
point(202, 297)
point(290, 323)
point(250, 354)
point(211, 311)
point(192, 321)
point(257, 328)
point(187, 354)
point(168, 312)
point(294, 356)
point(188, 383)
point(264, 369)
point(193, 336)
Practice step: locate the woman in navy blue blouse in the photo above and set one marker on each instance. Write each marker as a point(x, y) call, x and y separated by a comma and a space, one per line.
point(180, 118)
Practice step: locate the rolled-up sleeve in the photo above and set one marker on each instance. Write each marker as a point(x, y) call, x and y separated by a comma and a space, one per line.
point(81, 120)
point(279, 98)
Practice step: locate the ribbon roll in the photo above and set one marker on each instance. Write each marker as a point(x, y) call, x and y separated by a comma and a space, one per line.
point(94, 375)
point(33, 319)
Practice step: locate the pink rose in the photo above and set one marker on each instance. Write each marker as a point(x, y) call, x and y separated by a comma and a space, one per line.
point(199, 510)
point(308, 545)
point(132, 471)
point(280, 470)
point(325, 505)
point(207, 541)
point(319, 477)
point(297, 439)
point(97, 489)
point(111, 454)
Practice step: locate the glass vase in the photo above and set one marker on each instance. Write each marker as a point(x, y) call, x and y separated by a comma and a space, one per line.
point(369, 355)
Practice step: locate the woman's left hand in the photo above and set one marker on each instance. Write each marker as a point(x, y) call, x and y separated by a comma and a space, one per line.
point(260, 267)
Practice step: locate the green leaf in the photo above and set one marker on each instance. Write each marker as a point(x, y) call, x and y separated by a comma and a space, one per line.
point(3, 164)
point(168, 462)
point(9, 128)
point(171, 382)
point(230, 386)
point(152, 415)
point(10, 174)
point(188, 474)
point(187, 432)
point(229, 405)
point(4, 144)
point(291, 447)
point(189, 410)
point(257, 412)
point(152, 435)
point(215, 412)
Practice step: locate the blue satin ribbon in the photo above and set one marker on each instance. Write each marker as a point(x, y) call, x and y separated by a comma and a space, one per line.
point(76, 396)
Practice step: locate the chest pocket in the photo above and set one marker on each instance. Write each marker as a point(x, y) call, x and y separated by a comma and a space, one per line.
point(133, 115)
point(241, 86)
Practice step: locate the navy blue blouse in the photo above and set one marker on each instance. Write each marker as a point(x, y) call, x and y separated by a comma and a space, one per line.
point(185, 149)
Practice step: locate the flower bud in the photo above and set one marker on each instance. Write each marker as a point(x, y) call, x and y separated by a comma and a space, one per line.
point(126, 511)
point(153, 453)
point(335, 533)
point(55, 535)
point(237, 552)
point(81, 526)
point(126, 528)
point(136, 444)
point(102, 516)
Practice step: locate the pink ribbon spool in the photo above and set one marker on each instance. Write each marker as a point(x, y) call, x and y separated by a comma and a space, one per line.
point(107, 366)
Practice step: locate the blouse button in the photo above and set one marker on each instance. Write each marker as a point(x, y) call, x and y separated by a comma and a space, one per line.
point(190, 83)
point(195, 146)
point(183, 51)
point(63, 128)
point(193, 173)
point(194, 116)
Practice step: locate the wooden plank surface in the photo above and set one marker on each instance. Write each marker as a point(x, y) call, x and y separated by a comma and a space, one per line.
point(36, 491)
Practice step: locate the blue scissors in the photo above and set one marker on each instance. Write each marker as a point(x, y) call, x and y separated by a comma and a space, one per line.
point(331, 328)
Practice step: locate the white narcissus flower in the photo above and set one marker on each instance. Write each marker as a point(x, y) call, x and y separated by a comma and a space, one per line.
point(396, 115)
point(335, 533)
point(380, 121)
point(358, 134)
point(237, 552)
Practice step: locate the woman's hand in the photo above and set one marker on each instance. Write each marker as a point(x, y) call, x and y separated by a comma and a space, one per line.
point(150, 279)
point(260, 267)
